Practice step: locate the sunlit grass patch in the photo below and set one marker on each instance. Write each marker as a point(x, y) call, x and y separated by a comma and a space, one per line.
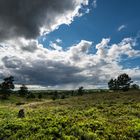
point(95, 116)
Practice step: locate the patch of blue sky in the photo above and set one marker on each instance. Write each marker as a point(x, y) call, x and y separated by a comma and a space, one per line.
point(101, 22)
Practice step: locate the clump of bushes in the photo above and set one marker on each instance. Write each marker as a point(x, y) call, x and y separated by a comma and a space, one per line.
point(55, 95)
point(30, 95)
point(4, 96)
point(134, 87)
point(40, 96)
point(63, 96)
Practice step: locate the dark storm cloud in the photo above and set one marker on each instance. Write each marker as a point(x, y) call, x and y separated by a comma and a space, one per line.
point(43, 67)
point(60, 68)
point(25, 17)
point(11, 62)
point(48, 73)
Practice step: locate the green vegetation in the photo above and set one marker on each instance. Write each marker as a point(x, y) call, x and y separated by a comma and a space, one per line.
point(122, 82)
point(80, 91)
point(71, 115)
point(6, 87)
point(94, 116)
point(23, 91)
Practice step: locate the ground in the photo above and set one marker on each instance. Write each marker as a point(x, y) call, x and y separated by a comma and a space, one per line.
point(95, 116)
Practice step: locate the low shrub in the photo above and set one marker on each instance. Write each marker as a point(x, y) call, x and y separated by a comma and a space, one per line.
point(30, 95)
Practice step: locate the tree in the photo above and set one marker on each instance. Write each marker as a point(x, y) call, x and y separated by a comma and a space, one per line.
point(135, 86)
point(112, 84)
point(122, 82)
point(80, 90)
point(23, 90)
point(7, 86)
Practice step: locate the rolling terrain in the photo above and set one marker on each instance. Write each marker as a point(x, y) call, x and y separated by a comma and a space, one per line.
point(96, 116)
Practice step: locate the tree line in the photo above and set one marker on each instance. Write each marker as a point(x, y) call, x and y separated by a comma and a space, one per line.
point(7, 86)
point(122, 82)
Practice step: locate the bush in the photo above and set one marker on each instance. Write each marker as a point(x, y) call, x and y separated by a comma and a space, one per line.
point(55, 95)
point(30, 95)
point(63, 96)
point(40, 96)
point(54, 98)
point(135, 87)
point(4, 96)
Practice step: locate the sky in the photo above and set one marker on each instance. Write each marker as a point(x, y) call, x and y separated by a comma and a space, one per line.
point(51, 44)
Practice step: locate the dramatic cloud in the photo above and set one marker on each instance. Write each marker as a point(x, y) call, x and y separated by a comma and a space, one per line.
point(120, 28)
point(66, 69)
point(30, 18)
point(22, 21)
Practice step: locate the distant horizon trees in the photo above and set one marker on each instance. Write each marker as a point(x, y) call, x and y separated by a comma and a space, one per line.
point(122, 82)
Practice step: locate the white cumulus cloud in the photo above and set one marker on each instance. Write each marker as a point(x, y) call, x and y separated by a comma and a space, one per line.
point(31, 63)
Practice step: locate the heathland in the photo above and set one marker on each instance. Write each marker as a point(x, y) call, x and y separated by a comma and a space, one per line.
point(92, 116)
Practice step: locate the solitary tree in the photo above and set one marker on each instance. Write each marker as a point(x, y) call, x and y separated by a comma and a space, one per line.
point(6, 86)
point(23, 90)
point(122, 82)
point(80, 90)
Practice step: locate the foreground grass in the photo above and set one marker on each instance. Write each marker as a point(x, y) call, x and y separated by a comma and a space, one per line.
point(99, 116)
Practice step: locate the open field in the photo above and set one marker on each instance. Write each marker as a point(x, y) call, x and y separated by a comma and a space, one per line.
point(97, 116)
